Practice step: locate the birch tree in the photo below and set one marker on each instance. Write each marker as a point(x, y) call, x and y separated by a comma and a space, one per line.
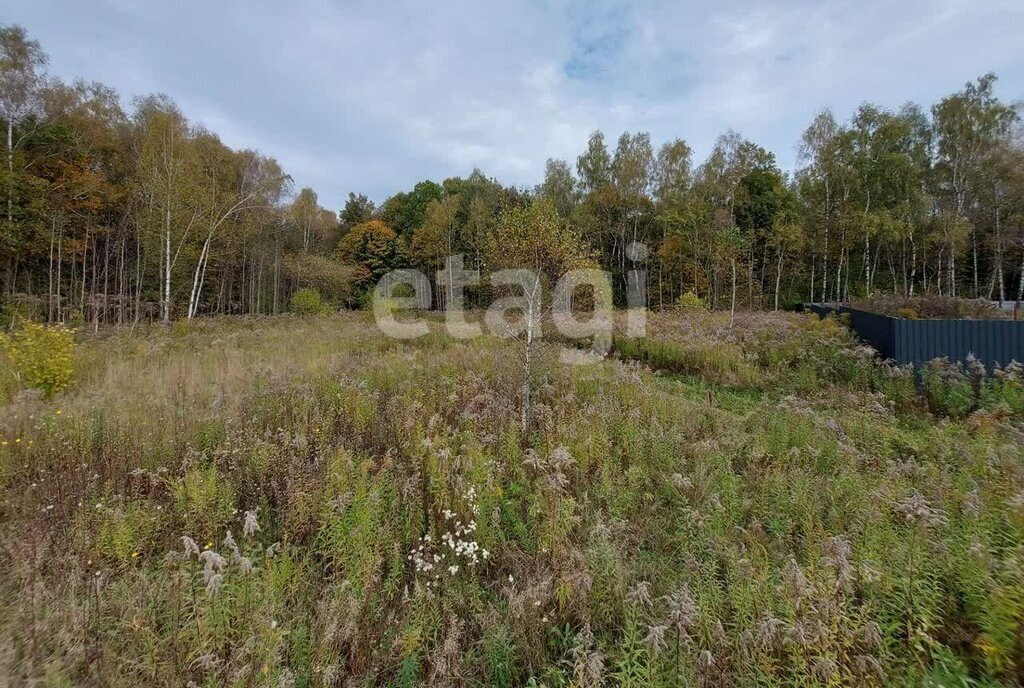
point(531, 248)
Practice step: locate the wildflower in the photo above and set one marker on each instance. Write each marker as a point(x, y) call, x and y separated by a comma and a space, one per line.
point(823, 669)
point(190, 546)
point(207, 662)
point(214, 583)
point(795, 580)
point(250, 526)
point(230, 543)
point(286, 679)
point(837, 555)
point(682, 611)
point(975, 368)
point(557, 480)
point(244, 564)
point(871, 634)
point(560, 458)
point(866, 665)
point(770, 632)
point(681, 483)
point(719, 633)
point(213, 564)
point(655, 639)
point(809, 632)
point(533, 460)
point(640, 594)
point(588, 665)
point(916, 509)
point(972, 503)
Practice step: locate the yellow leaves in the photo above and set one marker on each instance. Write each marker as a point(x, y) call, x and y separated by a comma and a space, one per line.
point(41, 356)
point(367, 232)
point(412, 639)
point(984, 644)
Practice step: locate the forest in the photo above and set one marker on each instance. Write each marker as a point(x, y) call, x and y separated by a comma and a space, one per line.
point(117, 212)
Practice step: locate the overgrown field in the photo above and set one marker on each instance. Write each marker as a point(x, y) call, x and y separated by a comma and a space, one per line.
point(303, 502)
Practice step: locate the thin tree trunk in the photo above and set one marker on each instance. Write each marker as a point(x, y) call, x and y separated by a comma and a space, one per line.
point(10, 172)
point(165, 315)
point(732, 307)
point(49, 285)
point(999, 258)
point(913, 266)
point(778, 279)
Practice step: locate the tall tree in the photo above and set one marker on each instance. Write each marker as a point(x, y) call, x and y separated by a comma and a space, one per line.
point(21, 63)
point(968, 125)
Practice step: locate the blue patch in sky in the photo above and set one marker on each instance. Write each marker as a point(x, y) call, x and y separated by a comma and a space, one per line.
point(598, 41)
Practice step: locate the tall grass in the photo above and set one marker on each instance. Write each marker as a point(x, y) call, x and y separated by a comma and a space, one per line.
point(299, 501)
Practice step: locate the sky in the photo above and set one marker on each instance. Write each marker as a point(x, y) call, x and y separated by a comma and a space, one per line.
point(372, 97)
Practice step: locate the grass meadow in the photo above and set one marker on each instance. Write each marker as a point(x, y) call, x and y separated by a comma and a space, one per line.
point(303, 502)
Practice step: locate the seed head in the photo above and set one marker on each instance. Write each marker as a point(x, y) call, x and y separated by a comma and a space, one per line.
point(640, 594)
point(191, 548)
point(655, 638)
point(250, 527)
point(213, 584)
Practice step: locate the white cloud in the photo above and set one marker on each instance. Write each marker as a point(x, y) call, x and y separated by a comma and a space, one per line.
point(372, 97)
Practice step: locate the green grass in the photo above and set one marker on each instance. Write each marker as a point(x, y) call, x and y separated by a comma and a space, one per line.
point(779, 510)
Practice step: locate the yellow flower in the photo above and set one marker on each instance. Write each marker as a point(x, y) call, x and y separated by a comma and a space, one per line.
point(17, 440)
point(135, 555)
point(58, 412)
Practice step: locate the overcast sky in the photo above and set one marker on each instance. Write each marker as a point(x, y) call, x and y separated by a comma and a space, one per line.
point(374, 96)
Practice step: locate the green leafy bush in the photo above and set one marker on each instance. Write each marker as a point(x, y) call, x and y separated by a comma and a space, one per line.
point(691, 302)
point(307, 302)
point(946, 388)
point(1006, 387)
point(41, 356)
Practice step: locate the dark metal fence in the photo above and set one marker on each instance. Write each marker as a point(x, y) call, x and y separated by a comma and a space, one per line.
point(993, 342)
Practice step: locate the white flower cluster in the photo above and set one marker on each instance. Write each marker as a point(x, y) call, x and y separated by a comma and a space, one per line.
point(458, 548)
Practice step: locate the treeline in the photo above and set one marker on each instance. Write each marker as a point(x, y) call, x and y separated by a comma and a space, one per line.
point(909, 202)
point(114, 214)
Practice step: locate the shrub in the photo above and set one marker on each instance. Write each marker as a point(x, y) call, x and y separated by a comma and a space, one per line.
point(307, 302)
point(41, 356)
point(1006, 387)
point(690, 302)
point(947, 388)
point(932, 307)
point(21, 307)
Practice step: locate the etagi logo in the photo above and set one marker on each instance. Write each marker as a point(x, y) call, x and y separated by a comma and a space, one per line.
point(523, 309)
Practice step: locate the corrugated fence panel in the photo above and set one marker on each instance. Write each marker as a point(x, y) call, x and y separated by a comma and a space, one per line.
point(993, 342)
